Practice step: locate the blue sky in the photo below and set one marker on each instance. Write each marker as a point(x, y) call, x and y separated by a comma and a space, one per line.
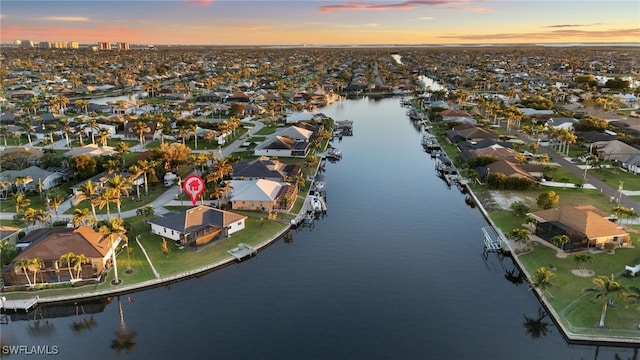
point(325, 22)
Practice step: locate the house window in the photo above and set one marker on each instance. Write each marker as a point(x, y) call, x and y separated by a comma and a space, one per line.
point(171, 232)
point(165, 230)
point(239, 223)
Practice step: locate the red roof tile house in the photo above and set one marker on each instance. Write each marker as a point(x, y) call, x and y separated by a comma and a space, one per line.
point(49, 245)
point(586, 226)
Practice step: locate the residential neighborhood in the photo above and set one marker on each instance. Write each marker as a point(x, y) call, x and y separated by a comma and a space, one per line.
point(95, 155)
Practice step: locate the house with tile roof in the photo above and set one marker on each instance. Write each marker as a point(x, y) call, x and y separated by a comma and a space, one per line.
point(198, 226)
point(262, 194)
point(586, 226)
point(49, 244)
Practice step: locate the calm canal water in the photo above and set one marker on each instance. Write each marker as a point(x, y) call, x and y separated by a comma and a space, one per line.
point(394, 271)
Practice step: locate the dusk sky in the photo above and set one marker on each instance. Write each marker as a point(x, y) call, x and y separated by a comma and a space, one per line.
point(326, 22)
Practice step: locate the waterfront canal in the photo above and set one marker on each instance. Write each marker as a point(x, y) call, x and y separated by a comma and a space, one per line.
point(394, 271)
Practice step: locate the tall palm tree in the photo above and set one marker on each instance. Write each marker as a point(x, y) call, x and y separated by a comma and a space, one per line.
point(20, 200)
point(28, 129)
point(35, 216)
point(140, 127)
point(55, 198)
point(123, 149)
point(23, 265)
point(68, 259)
point(35, 265)
point(77, 264)
point(87, 191)
point(83, 104)
point(93, 126)
point(103, 136)
point(148, 168)
point(122, 186)
point(606, 288)
point(542, 279)
point(113, 230)
point(106, 197)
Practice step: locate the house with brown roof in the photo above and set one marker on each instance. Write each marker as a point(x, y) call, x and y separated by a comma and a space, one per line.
point(586, 226)
point(198, 226)
point(50, 244)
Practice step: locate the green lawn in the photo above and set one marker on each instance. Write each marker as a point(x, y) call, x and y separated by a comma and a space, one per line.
point(582, 310)
point(613, 176)
point(128, 203)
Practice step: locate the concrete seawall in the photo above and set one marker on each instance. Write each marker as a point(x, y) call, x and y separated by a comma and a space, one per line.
point(570, 336)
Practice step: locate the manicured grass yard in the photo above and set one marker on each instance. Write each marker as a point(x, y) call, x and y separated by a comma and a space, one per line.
point(582, 310)
point(180, 260)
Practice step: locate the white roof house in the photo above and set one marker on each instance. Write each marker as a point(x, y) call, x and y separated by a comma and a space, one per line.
point(258, 194)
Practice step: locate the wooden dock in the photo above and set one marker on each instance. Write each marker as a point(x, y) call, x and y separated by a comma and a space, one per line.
point(19, 305)
point(242, 251)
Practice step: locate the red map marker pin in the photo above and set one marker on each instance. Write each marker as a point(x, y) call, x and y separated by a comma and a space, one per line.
point(194, 186)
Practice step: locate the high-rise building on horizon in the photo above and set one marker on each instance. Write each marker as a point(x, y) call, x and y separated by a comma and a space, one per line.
point(104, 45)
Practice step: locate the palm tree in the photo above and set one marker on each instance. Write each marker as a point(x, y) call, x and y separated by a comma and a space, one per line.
point(21, 182)
point(107, 196)
point(123, 149)
point(23, 265)
point(35, 216)
point(55, 198)
point(93, 126)
point(66, 130)
point(83, 104)
point(542, 279)
point(582, 260)
point(148, 168)
point(147, 211)
point(103, 136)
point(560, 240)
point(82, 216)
point(87, 191)
point(122, 186)
point(29, 129)
point(140, 127)
point(113, 230)
point(68, 259)
point(35, 265)
point(77, 264)
point(606, 288)
point(20, 200)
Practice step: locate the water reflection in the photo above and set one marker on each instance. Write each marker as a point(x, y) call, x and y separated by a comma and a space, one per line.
point(125, 338)
point(536, 327)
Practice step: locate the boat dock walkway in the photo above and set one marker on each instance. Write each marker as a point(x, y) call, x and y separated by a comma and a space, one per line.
point(492, 240)
point(22, 305)
point(242, 251)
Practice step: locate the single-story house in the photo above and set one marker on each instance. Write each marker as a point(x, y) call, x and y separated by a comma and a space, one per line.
point(197, 226)
point(457, 116)
point(265, 168)
point(47, 179)
point(49, 244)
point(627, 155)
point(262, 194)
point(586, 226)
point(282, 146)
point(91, 150)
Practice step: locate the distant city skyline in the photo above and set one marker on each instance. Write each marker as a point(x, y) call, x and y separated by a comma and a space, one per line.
point(325, 22)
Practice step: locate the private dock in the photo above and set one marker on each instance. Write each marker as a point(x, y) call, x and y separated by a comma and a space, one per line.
point(242, 251)
point(19, 305)
point(492, 240)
